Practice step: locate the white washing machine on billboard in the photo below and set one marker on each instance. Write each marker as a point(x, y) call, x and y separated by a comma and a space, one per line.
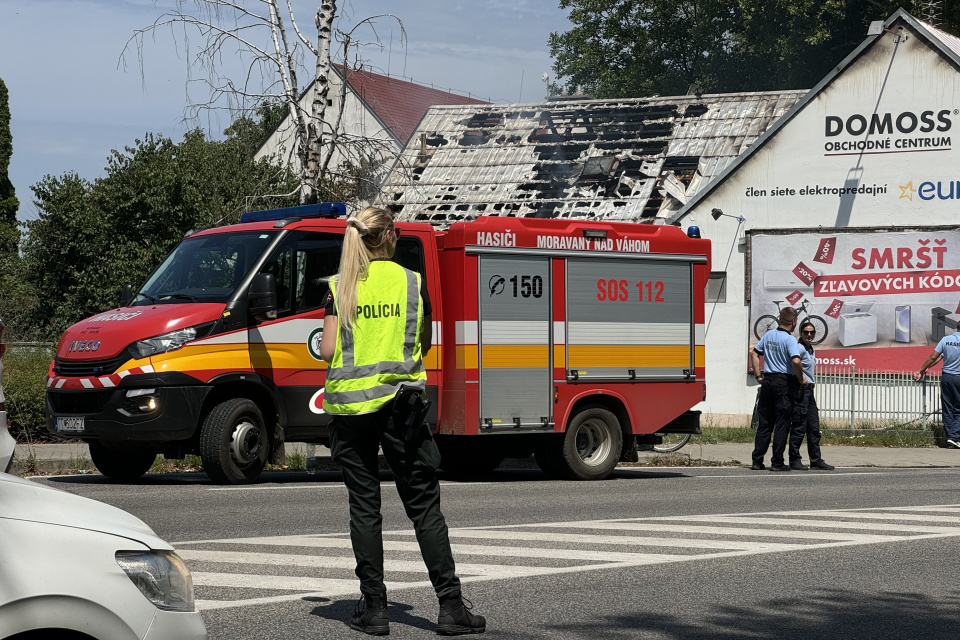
point(857, 324)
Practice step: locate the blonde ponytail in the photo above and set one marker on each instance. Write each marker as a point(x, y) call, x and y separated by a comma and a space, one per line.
point(364, 239)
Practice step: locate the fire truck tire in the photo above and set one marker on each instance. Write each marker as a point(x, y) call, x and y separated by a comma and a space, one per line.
point(121, 464)
point(591, 445)
point(234, 442)
point(547, 456)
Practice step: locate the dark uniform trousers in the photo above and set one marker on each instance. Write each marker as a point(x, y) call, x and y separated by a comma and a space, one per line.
point(354, 444)
point(806, 423)
point(776, 409)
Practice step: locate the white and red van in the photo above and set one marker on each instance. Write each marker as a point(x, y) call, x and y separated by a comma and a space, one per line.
point(570, 340)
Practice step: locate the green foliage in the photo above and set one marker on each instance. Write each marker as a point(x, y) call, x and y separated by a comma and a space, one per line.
point(24, 386)
point(631, 48)
point(91, 238)
point(8, 200)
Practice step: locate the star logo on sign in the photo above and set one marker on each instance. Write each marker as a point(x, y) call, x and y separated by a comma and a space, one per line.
point(907, 191)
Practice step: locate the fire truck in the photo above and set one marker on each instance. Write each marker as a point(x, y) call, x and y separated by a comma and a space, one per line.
point(573, 341)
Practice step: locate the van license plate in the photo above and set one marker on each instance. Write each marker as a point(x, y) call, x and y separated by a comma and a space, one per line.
point(70, 424)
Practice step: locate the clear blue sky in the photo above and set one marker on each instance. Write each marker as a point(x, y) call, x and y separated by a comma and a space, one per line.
point(71, 103)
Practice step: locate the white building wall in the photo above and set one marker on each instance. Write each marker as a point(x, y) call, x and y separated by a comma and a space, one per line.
point(908, 77)
point(358, 121)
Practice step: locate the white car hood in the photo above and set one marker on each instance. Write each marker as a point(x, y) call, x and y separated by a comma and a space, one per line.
point(26, 500)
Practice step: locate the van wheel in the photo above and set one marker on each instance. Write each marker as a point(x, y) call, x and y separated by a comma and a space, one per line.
point(591, 445)
point(547, 455)
point(121, 464)
point(233, 442)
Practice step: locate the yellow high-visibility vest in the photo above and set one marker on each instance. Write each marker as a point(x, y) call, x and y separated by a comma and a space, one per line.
point(382, 350)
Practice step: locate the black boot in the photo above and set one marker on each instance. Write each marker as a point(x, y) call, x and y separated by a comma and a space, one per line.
point(455, 618)
point(370, 615)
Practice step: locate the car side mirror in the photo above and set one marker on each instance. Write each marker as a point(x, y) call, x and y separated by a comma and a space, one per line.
point(126, 295)
point(262, 296)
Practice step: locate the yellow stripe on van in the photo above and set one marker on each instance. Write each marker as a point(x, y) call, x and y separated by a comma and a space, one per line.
point(515, 356)
point(629, 356)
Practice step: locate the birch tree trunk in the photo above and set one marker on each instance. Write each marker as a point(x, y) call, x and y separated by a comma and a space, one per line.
point(314, 141)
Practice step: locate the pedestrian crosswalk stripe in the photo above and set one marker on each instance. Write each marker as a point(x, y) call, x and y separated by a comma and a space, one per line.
point(344, 562)
point(819, 522)
point(547, 548)
point(882, 516)
point(632, 541)
point(733, 531)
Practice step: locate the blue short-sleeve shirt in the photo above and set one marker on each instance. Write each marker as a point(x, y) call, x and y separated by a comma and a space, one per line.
point(778, 349)
point(949, 347)
point(809, 363)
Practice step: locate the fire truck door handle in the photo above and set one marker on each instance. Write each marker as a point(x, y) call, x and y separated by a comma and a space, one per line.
point(632, 373)
point(688, 373)
point(572, 374)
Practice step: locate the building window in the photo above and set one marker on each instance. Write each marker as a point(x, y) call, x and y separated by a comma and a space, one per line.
point(717, 287)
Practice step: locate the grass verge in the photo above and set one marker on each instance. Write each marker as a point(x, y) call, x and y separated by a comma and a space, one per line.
point(890, 437)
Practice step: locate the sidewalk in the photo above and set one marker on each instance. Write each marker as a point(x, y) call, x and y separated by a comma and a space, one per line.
point(61, 457)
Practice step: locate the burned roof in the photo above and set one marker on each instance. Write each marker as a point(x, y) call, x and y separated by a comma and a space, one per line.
point(637, 160)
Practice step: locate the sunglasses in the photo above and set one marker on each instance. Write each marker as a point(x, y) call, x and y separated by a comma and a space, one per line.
point(809, 333)
point(396, 232)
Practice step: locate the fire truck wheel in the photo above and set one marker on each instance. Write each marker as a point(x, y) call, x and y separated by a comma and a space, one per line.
point(234, 442)
point(591, 445)
point(121, 464)
point(548, 456)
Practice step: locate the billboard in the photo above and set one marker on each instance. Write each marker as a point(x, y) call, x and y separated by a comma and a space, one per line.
point(879, 298)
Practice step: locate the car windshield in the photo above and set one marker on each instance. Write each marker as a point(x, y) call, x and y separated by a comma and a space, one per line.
point(206, 268)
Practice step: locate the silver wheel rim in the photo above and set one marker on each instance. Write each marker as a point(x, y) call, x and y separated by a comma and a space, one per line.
point(593, 442)
point(245, 443)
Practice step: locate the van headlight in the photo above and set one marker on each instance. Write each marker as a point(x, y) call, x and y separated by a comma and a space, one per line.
point(165, 342)
point(161, 576)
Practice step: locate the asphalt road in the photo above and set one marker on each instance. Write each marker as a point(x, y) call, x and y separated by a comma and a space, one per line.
point(650, 553)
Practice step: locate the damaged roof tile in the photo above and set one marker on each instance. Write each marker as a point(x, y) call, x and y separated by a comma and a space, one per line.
point(634, 160)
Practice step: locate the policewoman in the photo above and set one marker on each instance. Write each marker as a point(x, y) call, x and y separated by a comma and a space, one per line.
point(376, 330)
point(780, 389)
point(807, 414)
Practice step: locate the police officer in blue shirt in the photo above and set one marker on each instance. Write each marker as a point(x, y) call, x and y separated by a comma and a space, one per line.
point(948, 349)
point(780, 388)
point(807, 415)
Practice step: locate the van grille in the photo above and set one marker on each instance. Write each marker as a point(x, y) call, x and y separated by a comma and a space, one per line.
point(79, 401)
point(79, 368)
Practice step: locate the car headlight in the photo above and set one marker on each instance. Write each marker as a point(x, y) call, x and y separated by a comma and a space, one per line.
point(161, 576)
point(165, 342)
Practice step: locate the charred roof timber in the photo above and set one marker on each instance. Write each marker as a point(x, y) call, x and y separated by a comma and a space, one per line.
point(636, 160)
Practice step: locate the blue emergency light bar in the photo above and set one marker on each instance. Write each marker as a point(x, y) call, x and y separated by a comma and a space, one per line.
point(324, 209)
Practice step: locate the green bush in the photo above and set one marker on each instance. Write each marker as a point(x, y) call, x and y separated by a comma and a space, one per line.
point(24, 384)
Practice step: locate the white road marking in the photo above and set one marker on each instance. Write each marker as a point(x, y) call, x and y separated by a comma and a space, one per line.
point(729, 531)
point(632, 541)
point(347, 562)
point(879, 516)
point(827, 524)
point(548, 545)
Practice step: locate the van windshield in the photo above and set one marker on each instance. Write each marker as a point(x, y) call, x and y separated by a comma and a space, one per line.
point(205, 268)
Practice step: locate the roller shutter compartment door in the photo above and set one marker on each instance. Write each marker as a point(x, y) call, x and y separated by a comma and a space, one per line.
point(629, 320)
point(514, 304)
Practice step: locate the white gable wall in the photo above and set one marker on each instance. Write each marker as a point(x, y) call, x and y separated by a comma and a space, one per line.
point(919, 81)
point(358, 122)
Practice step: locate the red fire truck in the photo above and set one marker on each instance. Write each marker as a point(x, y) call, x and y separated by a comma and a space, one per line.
point(569, 340)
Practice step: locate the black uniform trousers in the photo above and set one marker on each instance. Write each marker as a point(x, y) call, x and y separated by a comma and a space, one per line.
point(776, 408)
point(806, 423)
point(354, 444)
